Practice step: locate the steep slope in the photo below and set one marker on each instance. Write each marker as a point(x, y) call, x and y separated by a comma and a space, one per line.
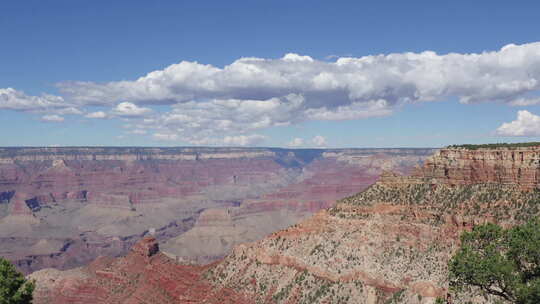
point(63, 207)
point(145, 275)
point(321, 183)
point(390, 243)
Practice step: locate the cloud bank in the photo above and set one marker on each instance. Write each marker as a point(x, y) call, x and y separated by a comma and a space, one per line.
point(205, 104)
point(505, 75)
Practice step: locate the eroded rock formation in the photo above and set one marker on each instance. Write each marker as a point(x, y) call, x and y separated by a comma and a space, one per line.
point(508, 166)
point(62, 207)
point(144, 275)
point(390, 243)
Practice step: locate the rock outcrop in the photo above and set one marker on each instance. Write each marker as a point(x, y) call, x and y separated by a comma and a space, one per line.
point(146, 247)
point(507, 166)
point(144, 275)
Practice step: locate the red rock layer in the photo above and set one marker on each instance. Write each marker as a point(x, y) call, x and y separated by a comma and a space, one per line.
point(119, 182)
point(143, 276)
point(461, 166)
point(261, 180)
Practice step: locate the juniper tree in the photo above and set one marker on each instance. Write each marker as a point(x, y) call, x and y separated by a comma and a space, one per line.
point(14, 288)
point(500, 262)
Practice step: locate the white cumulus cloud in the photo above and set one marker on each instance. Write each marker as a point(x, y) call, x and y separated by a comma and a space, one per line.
point(138, 132)
point(205, 104)
point(523, 101)
point(296, 142)
point(128, 109)
point(52, 118)
point(319, 141)
point(504, 75)
point(11, 99)
point(165, 137)
point(243, 140)
point(66, 111)
point(526, 124)
point(98, 115)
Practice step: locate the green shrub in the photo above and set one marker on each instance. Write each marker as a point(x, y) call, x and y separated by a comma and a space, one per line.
point(496, 145)
point(14, 288)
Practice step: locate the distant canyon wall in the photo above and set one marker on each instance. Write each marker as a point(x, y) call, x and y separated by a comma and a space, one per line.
point(62, 207)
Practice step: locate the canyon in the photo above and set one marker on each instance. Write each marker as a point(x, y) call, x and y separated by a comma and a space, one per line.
point(62, 207)
point(389, 243)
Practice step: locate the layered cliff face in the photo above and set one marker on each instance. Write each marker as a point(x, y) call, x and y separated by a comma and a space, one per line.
point(62, 207)
point(320, 184)
point(508, 166)
point(390, 243)
point(144, 275)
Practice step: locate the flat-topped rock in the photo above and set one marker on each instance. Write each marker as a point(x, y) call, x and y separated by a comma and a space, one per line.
point(518, 166)
point(146, 247)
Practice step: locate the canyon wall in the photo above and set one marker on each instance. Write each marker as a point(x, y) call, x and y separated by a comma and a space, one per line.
point(387, 244)
point(390, 243)
point(462, 166)
point(62, 207)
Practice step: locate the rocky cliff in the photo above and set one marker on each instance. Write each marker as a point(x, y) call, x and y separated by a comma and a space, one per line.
point(144, 275)
point(387, 244)
point(62, 207)
point(390, 243)
point(507, 166)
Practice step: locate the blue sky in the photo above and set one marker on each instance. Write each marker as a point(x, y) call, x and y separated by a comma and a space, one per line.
point(68, 72)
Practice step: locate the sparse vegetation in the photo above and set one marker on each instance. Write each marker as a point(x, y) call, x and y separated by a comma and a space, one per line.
point(496, 145)
point(503, 202)
point(402, 209)
point(396, 297)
